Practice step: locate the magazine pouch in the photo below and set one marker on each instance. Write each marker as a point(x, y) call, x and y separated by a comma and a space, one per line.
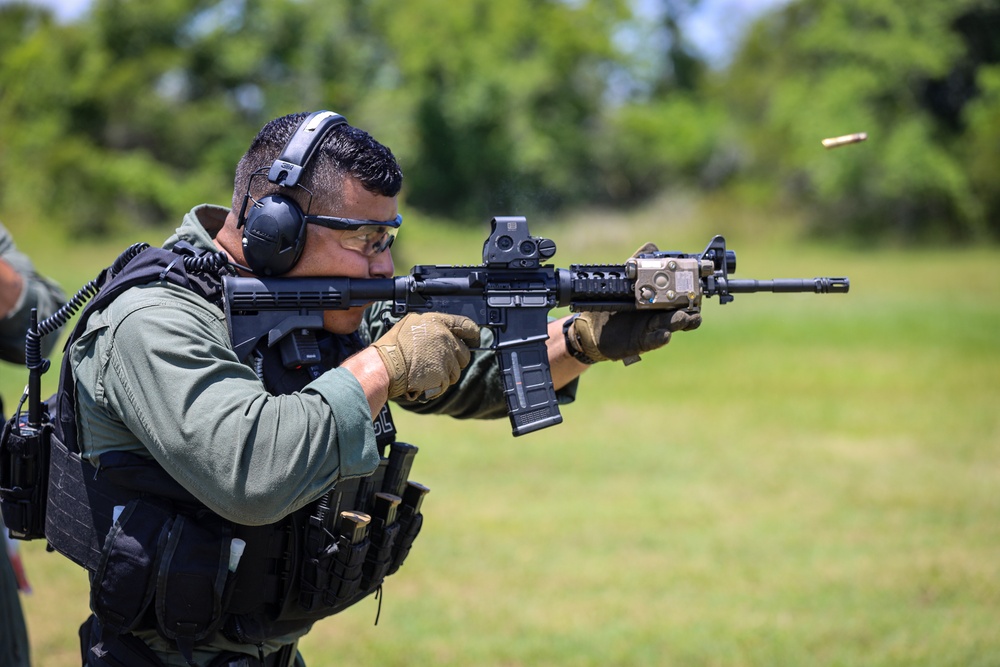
point(410, 523)
point(379, 557)
point(345, 571)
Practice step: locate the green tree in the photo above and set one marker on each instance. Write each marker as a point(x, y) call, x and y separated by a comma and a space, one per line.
point(139, 110)
point(663, 125)
point(503, 100)
point(89, 107)
point(905, 72)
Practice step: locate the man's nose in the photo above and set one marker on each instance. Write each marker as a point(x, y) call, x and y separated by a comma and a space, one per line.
point(381, 265)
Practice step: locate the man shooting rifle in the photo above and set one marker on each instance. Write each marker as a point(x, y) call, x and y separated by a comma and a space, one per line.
point(221, 501)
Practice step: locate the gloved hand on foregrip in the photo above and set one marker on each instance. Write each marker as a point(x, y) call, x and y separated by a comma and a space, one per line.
point(425, 353)
point(602, 336)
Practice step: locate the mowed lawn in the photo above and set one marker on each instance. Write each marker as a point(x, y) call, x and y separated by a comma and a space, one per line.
point(805, 480)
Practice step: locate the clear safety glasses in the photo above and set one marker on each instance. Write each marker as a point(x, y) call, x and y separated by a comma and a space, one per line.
point(369, 237)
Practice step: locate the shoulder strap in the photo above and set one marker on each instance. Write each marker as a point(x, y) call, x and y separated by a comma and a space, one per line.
point(149, 265)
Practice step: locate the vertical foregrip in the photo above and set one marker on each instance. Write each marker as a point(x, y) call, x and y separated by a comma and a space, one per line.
point(527, 380)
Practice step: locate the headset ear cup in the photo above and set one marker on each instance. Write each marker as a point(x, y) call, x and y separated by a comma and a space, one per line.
point(273, 236)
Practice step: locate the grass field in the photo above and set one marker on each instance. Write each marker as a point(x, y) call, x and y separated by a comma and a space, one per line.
point(805, 480)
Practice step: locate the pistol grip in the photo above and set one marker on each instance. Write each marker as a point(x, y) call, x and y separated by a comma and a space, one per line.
point(527, 380)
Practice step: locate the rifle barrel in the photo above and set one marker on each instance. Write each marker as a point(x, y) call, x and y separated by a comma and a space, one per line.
point(816, 285)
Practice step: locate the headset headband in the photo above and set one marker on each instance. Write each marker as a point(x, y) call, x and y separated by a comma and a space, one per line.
point(287, 169)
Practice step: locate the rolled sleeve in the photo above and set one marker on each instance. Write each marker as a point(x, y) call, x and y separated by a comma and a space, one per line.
point(352, 418)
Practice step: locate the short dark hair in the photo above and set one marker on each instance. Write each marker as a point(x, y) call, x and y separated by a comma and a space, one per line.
point(346, 151)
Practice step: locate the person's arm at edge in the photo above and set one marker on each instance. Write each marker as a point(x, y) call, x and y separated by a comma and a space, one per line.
point(21, 289)
point(11, 288)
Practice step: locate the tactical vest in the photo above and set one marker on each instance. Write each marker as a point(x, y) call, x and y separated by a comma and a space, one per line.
point(158, 557)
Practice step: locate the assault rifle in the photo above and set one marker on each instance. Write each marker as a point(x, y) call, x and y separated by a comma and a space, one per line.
point(511, 292)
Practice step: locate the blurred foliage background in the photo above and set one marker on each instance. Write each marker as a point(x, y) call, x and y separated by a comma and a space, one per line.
point(135, 110)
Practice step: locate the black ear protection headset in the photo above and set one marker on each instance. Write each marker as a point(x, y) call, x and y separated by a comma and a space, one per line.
point(274, 228)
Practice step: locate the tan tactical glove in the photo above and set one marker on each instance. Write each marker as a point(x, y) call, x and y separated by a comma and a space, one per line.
point(601, 336)
point(426, 352)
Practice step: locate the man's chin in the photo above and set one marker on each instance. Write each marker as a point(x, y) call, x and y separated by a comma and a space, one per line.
point(343, 321)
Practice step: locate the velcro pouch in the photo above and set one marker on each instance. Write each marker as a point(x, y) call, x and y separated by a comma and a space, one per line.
point(123, 584)
point(191, 579)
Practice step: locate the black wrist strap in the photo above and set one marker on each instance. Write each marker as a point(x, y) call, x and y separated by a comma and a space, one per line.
point(570, 345)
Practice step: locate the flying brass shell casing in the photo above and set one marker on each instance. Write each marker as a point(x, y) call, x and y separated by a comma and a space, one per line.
point(835, 142)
